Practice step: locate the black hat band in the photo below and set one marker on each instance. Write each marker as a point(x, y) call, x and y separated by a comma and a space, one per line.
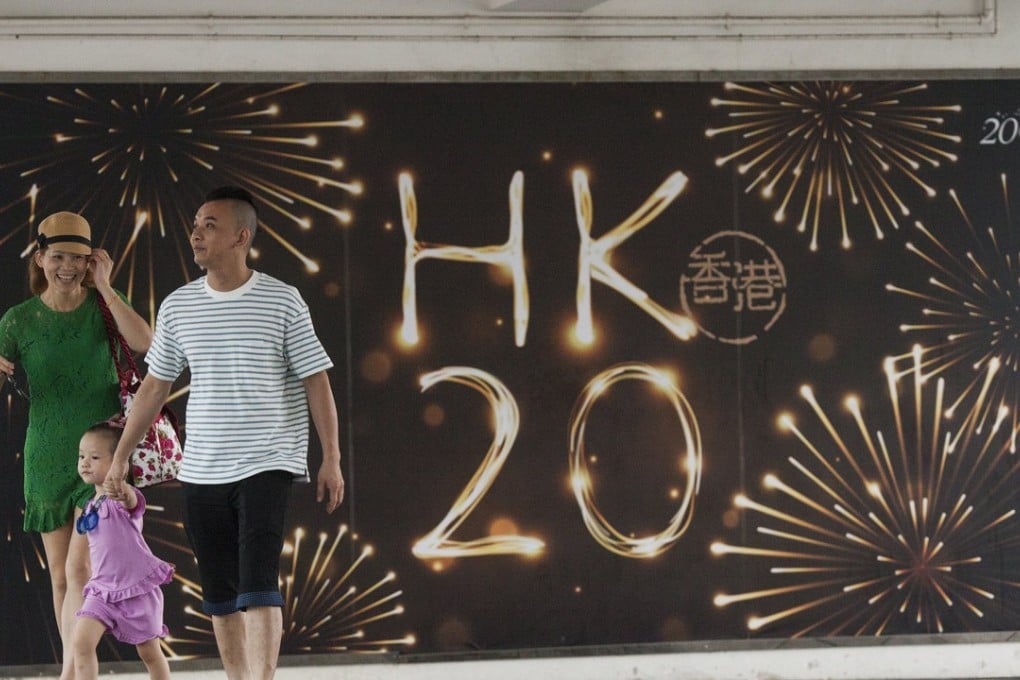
point(43, 240)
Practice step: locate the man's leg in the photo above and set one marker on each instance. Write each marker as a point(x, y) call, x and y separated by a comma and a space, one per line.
point(264, 628)
point(262, 510)
point(231, 642)
point(210, 519)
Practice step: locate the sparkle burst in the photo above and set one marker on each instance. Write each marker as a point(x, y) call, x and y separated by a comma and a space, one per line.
point(813, 144)
point(136, 160)
point(330, 613)
point(971, 305)
point(905, 532)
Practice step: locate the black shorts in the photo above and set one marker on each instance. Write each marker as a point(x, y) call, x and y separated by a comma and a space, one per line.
point(236, 532)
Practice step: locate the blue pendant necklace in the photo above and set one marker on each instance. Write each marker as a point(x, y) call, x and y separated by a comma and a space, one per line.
point(90, 518)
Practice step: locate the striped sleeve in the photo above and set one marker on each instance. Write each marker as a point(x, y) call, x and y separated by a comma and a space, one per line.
point(304, 352)
point(165, 359)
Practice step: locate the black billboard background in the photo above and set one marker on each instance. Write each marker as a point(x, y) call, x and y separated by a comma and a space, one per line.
point(408, 453)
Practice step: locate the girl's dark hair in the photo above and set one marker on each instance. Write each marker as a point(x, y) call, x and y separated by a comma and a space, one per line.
point(113, 427)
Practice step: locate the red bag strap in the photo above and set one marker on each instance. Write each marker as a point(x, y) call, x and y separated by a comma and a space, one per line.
point(129, 375)
point(130, 371)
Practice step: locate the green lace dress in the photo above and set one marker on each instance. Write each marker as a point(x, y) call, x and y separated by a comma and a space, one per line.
point(72, 384)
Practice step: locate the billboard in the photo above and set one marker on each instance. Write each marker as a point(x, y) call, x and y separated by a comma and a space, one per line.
point(616, 362)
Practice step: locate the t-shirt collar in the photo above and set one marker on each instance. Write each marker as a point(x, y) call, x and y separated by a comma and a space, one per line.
point(231, 294)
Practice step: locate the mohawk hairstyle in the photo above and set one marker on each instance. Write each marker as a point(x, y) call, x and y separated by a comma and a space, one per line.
point(232, 193)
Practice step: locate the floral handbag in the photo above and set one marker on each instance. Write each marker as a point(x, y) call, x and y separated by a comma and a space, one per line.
point(158, 456)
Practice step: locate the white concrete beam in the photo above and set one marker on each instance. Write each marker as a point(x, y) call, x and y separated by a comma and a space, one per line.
point(543, 5)
point(183, 40)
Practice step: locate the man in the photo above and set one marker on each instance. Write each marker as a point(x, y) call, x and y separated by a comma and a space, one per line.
point(257, 369)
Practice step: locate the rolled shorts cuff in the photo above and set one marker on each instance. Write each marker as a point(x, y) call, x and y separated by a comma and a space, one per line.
point(265, 598)
point(219, 608)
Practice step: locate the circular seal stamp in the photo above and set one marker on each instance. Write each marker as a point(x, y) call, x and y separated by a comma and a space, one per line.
point(734, 287)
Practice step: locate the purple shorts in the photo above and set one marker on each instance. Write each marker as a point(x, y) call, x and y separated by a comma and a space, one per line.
point(133, 621)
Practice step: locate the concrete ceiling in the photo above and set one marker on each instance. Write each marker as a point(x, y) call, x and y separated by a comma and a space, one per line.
point(397, 9)
point(543, 5)
point(504, 36)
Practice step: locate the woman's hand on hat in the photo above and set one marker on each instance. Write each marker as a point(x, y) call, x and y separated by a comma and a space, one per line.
point(101, 265)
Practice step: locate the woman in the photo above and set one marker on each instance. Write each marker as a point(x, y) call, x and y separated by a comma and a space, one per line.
point(60, 340)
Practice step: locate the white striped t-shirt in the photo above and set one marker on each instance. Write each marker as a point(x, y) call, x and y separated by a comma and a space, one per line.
point(248, 350)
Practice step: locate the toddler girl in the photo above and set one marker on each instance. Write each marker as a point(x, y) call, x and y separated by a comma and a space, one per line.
point(123, 596)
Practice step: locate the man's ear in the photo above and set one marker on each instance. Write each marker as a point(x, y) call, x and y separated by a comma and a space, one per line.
point(243, 236)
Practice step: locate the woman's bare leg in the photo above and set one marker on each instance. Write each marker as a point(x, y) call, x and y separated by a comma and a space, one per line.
point(56, 544)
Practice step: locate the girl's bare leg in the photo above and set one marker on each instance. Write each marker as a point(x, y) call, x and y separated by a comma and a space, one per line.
point(77, 571)
point(152, 656)
point(87, 633)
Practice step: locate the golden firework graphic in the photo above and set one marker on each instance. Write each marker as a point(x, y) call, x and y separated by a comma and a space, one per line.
point(24, 561)
point(329, 606)
point(816, 145)
point(970, 305)
point(905, 529)
point(326, 610)
point(137, 159)
point(26, 551)
point(22, 557)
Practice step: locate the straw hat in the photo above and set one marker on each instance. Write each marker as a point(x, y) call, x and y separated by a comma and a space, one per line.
point(66, 231)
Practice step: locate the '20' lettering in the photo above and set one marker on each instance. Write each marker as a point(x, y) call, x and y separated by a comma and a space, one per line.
point(1001, 131)
point(439, 543)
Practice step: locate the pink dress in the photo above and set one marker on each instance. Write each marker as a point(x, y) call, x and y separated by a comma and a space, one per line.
point(124, 591)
